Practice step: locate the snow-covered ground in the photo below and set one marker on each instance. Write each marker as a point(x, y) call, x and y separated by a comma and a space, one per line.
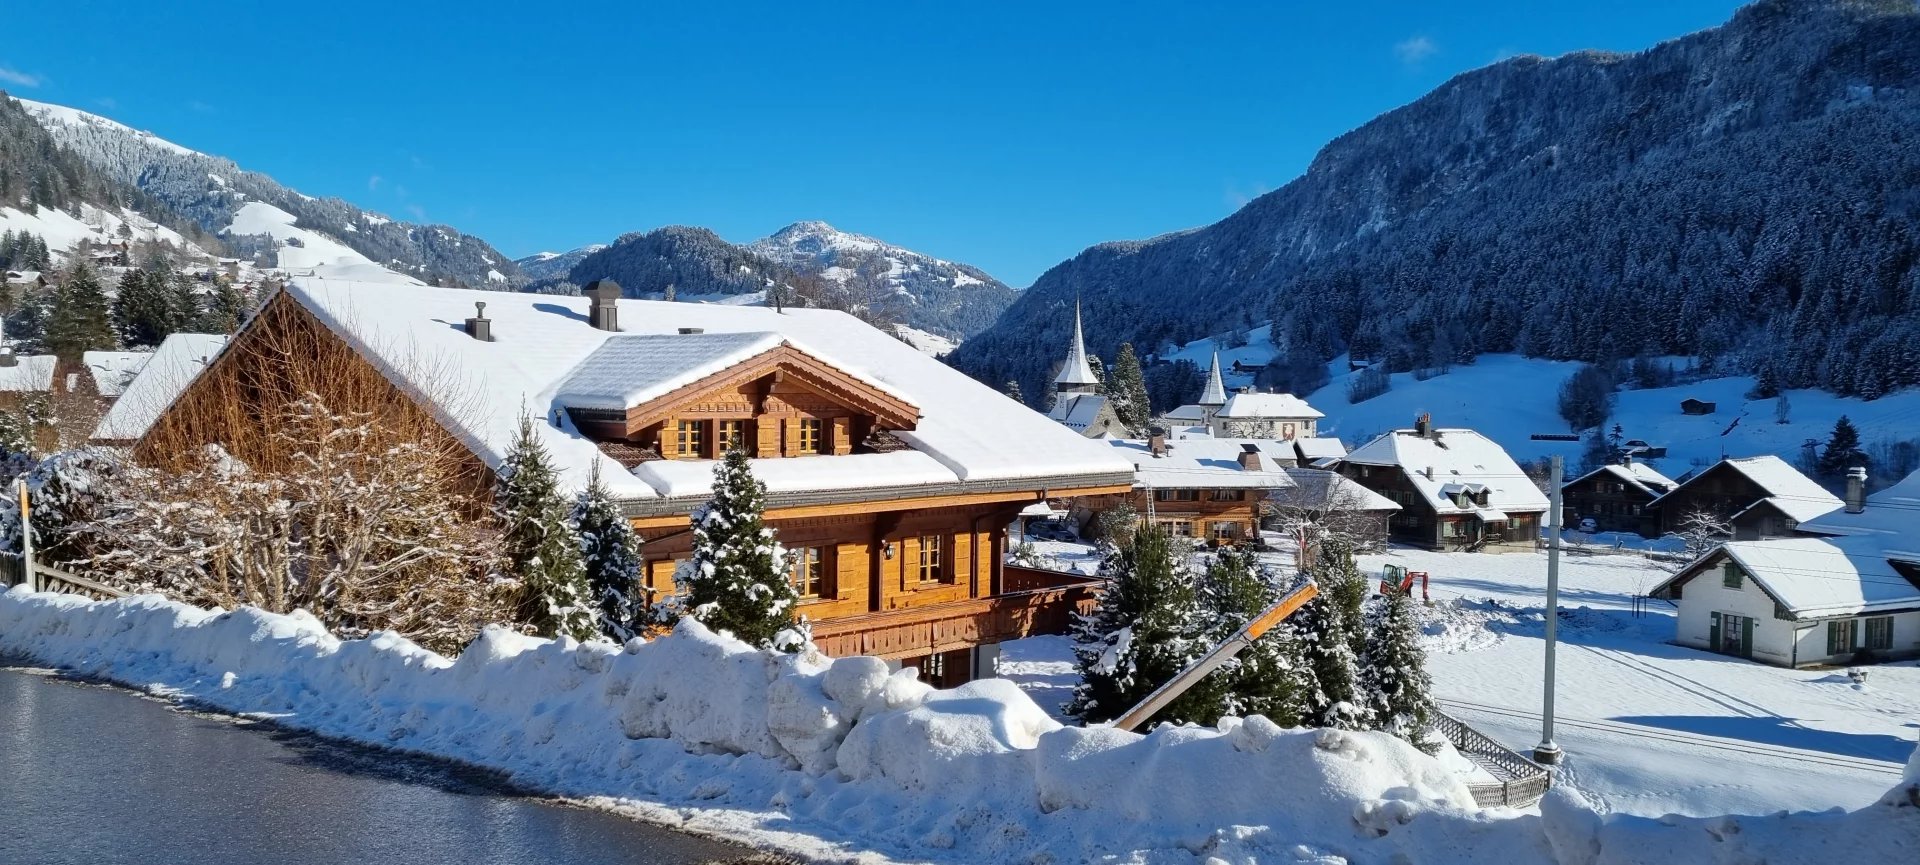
point(306, 252)
point(1649, 728)
point(61, 230)
point(1459, 399)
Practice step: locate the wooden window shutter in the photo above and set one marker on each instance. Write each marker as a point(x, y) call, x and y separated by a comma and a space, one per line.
point(1746, 636)
point(767, 437)
point(1833, 638)
point(842, 435)
point(670, 439)
point(790, 447)
point(1713, 631)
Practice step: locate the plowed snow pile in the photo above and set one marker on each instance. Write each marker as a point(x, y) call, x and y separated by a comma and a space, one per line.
point(841, 760)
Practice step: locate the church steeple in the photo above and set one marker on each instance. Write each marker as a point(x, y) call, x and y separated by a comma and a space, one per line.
point(1216, 393)
point(1076, 376)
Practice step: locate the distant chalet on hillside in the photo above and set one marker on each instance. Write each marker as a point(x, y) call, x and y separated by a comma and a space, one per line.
point(1761, 497)
point(891, 477)
point(1697, 406)
point(1457, 490)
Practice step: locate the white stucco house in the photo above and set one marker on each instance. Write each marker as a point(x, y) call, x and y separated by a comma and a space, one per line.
point(1281, 416)
point(1849, 595)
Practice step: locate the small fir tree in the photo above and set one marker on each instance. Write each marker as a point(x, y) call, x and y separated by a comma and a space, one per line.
point(1127, 390)
point(1398, 692)
point(737, 579)
point(79, 321)
point(539, 543)
point(1258, 681)
point(138, 315)
point(1327, 643)
point(1782, 409)
point(1013, 392)
point(1842, 451)
point(610, 553)
point(1148, 626)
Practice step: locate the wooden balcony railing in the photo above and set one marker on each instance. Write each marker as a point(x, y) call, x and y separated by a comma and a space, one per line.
point(1037, 602)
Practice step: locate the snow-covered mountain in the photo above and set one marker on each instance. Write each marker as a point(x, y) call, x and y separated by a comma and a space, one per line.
point(555, 265)
point(255, 215)
point(940, 296)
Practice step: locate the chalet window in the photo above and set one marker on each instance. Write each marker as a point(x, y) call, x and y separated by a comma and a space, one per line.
point(1840, 637)
point(1730, 576)
point(1177, 528)
point(811, 434)
point(1186, 495)
point(1880, 633)
point(1781, 612)
point(805, 568)
point(1451, 528)
point(1229, 495)
point(690, 438)
point(930, 563)
point(733, 434)
point(1225, 531)
point(1163, 495)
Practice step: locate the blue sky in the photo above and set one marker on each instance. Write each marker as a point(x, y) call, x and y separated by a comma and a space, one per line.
point(1008, 136)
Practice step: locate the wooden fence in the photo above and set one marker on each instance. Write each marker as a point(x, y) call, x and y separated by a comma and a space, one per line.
point(48, 578)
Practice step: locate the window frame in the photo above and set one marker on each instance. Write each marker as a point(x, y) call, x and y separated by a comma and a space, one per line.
point(687, 430)
point(1229, 495)
point(1877, 633)
point(814, 560)
point(811, 435)
point(932, 560)
point(722, 442)
point(1731, 577)
point(1215, 530)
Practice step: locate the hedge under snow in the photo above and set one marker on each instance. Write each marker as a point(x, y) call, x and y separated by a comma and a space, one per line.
point(835, 758)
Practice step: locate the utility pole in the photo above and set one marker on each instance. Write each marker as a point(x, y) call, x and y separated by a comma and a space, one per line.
point(1548, 752)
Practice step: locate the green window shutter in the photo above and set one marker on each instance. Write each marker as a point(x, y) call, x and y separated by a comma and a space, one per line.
point(1713, 631)
point(1730, 576)
point(1746, 636)
point(1833, 638)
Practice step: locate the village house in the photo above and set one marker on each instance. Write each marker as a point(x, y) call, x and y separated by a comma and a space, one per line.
point(1851, 595)
point(891, 477)
point(1456, 488)
point(1618, 498)
point(1280, 416)
point(112, 371)
point(1760, 497)
point(166, 372)
point(1319, 452)
point(1078, 404)
point(1221, 491)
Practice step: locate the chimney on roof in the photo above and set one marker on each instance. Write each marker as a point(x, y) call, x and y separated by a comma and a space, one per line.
point(479, 326)
point(691, 330)
point(1250, 458)
point(1423, 425)
point(1856, 490)
point(1157, 442)
point(604, 314)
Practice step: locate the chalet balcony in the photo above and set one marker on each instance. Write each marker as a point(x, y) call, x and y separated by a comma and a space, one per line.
point(1035, 602)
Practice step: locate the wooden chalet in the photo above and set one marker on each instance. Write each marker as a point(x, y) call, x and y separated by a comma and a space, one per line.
point(1618, 498)
point(1221, 491)
point(891, 477)
point(1457, 489)
point(1761, 497)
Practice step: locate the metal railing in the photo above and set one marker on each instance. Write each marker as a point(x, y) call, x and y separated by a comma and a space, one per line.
point(1519, 782)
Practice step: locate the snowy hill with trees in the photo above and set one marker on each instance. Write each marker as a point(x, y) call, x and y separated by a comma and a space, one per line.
point(1742, 195)
point(215, 196)
point(941, 297)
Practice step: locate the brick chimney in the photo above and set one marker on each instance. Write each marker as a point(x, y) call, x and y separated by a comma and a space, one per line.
point(1157, 443)
point(479, 326)
point(604, 314)
point(1250, 458)
point(1423, 425)
point(1856, 490)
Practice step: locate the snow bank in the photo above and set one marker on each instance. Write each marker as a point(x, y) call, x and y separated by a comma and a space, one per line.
point(829, 758)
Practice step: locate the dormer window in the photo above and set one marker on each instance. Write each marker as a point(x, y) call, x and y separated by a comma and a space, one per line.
point(733, 434)
point(690, 439)
point(812, 433)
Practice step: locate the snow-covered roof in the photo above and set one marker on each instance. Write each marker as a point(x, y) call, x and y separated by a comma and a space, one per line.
point(1207, 463)
point(1454, 456)
point(113, 370)
point(967, 432)
point(1194, 413)
point(1818, 577)
point(1077, 411)
point(629, 369)
point(1640, 475)
point(1268, 405)
point(1320, 447)
point(165, 375)
point(1793, 493)
point(1215, 392)
point(1892, 516)
point(30, 373)
point(1324, 490)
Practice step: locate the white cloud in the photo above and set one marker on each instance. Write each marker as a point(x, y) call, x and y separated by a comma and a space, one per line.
point(373, 183)
point(1412, 51)
point(10, 75)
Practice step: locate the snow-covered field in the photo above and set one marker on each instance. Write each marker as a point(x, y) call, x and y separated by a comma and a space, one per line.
point(842, 761)
point(61, 230)
point(1459, 399)
point(1649, 728)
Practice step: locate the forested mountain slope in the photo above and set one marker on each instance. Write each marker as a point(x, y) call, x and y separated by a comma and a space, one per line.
point(1749, 194)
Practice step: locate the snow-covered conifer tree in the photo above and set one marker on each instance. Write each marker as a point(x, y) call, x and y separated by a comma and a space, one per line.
point(737, 579)
point(1394, 678)
point(540, 546)
point(1148, 626)
point(1326, 644)
point(1259, 680)
point(610, 553)
point(1127, 390)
